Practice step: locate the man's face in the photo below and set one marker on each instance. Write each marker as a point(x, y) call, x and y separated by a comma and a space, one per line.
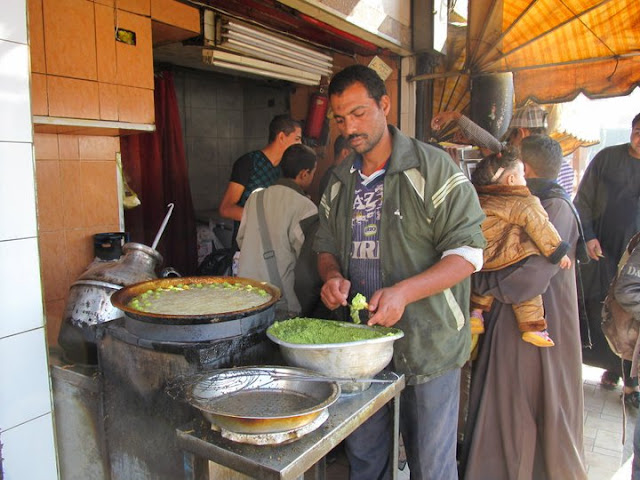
point(360, 119)
point(292, 138)
point(634, 141)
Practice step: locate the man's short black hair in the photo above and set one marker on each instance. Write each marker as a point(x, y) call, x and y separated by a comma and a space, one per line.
point(282, 123)
point(635, 120)
point(339, 145)
point(543, 154)
point(296, 158)
point(358, 73)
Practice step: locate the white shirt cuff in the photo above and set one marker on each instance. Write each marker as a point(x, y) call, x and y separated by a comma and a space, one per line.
point(470, 254)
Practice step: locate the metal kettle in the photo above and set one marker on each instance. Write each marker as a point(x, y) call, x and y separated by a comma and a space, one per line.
point(89, 302)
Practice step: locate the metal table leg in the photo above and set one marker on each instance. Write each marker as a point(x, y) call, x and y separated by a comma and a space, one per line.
point(396, 434)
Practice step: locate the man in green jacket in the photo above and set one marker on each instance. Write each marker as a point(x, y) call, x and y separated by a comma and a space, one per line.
point(401, 224)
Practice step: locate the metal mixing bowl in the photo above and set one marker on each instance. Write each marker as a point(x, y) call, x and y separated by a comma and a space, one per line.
point(359, 360)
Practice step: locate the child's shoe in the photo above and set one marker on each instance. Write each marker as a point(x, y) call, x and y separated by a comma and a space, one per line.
point(539, 339)
point(477, 322)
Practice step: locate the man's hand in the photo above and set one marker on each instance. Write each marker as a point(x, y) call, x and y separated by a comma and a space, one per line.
point(388, 305)
point(335, 288)
point(443, 118)
point(335, 291)
point(594, 250)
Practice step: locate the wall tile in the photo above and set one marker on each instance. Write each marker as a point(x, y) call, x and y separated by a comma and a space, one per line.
point(15, 28)
point(230, 97)
point(99, 192)
point(203, 122)
point(108, 101)
point(68, 147)
point(176, 13)
point(98, 148)
point(36, 36)
point(53, 265)
point(54, 310)
point(15, 114)
point(29, 450)
point(17, 197)
point(70, 97)
point(135, 105)
point(69, 36)
point(72, 190)
point(79, 250)
point(135, 62)
point(19, 272)
point(39, 100)
point(201, 91)
point(49, 194)
point(230, 125)
point(141, 7)
point(46, 146)
point(105, 43)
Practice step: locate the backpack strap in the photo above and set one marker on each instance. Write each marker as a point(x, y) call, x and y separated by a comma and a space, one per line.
point(269, 254)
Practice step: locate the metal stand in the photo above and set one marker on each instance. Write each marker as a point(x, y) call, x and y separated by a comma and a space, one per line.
point(291, 461)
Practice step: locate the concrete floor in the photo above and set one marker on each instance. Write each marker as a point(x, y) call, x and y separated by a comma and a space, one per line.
point(607, 457)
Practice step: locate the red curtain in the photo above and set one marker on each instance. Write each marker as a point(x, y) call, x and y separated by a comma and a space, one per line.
point(156, 169)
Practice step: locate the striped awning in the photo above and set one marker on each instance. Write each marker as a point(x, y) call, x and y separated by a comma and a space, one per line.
point(556, 49)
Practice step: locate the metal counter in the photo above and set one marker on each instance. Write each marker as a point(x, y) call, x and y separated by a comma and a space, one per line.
point(290, 461)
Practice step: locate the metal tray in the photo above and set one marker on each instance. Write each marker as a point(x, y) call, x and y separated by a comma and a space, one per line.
point(258, 400)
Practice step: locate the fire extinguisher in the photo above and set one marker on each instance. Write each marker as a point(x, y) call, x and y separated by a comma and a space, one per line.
point(318, 105)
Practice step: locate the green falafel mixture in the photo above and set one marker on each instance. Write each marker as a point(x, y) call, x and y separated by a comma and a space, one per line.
point(315, 331)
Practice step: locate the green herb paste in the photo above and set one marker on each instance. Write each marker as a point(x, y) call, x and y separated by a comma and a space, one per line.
point(315, 331)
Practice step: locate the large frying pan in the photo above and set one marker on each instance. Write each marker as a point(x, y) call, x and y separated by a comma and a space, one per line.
point(122, 297)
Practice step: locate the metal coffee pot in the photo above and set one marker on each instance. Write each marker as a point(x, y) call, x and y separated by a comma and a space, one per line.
point(89, 302)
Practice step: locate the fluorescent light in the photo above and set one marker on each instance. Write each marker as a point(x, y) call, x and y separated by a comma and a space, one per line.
point(239, 63)
point(240, 47)
point(271, 39)
point(267, 47)
point(252, 42)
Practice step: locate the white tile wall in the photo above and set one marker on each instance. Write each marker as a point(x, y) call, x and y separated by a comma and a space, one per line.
point(15, 28)
point(28, 451)
point(24, 378)
point(15, 110)
point(17, 203)
point(26, 425)
point(20, 298)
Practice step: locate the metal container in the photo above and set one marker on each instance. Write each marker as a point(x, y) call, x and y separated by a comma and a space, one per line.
point(262, 399)
point(89, 302)
point(362, 359)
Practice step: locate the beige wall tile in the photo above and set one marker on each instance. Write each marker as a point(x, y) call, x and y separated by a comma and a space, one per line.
point(135, 105)
point(70, 97)
point(46, 146)
point(54, 310)
point(105, 43)
point(53, 265)
point(134, 63)
point(176, 13)
point(36, 37)
point(72, 191)
point(39, 101)
point(69, 36)
point(99, 192)
point(79, 252)
point(141, 7)
point(68, 147)
point(99, 148)
point(108, 101)
point(49, 196)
